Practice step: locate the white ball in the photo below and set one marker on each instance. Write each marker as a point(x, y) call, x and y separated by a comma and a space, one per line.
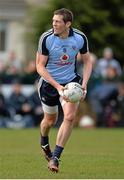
point(73, 92)
point(86, 121)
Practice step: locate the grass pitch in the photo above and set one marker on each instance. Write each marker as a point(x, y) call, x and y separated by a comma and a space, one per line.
point(89, 154)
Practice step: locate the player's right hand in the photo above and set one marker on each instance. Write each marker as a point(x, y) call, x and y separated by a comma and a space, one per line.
point(61, 92)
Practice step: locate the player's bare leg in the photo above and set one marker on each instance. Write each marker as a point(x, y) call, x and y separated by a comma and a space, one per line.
point(46, 124)
point(63, 135)
point(66, 127)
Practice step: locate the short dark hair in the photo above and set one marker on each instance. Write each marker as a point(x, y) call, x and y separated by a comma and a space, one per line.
point(67, 14)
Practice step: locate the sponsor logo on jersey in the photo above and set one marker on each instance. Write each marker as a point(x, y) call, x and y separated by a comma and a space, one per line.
point(64, 57)
point(64, 60)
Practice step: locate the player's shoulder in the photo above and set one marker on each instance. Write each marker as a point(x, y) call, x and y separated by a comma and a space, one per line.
point(79, 33)
point(46, 34)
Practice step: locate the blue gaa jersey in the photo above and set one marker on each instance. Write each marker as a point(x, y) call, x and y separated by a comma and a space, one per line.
point(62, 53)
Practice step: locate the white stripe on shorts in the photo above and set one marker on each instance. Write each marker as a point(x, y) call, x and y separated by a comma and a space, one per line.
point(50, 109)
point(46, 108)
point(39, 86)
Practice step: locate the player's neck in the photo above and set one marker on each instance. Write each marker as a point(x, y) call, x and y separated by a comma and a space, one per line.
point(64, 34)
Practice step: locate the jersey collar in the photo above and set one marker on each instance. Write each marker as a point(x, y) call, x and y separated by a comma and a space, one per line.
point(70, 32)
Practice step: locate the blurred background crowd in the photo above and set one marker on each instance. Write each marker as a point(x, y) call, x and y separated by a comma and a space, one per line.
point(21, 23)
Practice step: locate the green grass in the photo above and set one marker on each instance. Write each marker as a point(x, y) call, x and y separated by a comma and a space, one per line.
point(89, 154)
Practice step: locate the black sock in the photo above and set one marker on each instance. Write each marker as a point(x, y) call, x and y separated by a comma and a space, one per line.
point(57, 152)
point(44, 140)
point(45, 143)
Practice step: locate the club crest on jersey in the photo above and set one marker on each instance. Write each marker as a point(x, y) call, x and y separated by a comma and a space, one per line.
point(64, 57)
point(64, 50)
point(74, 48)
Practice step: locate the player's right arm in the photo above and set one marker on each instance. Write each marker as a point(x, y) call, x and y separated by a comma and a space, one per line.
point(41, 61)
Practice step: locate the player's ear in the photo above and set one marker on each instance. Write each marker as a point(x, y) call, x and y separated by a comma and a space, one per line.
point(68, 24)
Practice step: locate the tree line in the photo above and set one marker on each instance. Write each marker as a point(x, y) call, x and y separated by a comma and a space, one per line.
point(101, 21)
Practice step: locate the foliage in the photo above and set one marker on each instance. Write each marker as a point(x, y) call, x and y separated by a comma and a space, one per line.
point(101, 21)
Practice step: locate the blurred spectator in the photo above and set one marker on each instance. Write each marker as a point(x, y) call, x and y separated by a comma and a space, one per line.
point(111, 74)
point(4, 113)
point(2, 67)
point(19, 105)
point(3, 109)
point(107, 60)
point(102, 96)
point(2, 71)
point(36, 106)
point(13, 68)
point(118, 112)
point(30, 74)
point(14, 65)
point(114, 111)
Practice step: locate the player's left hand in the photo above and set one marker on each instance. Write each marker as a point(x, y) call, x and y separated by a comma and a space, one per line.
point(84, 88)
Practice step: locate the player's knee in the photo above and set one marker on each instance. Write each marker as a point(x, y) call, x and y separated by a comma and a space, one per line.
point(51, 122)
point(48, 122)
point(70, 117)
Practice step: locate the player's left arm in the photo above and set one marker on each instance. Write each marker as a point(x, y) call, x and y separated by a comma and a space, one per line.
point(87, 69)
point(85, 57)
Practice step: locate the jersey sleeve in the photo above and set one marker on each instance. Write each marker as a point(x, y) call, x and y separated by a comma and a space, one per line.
point(42, 49)
point(85, 47)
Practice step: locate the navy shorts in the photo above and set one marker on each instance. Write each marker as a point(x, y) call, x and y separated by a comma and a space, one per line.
point(48, 94)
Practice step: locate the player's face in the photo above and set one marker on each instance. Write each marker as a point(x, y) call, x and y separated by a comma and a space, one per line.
point(59, 26)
